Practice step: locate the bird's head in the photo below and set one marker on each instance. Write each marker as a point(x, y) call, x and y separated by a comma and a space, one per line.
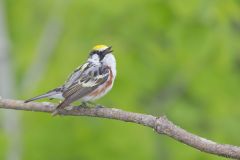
point(99, 53)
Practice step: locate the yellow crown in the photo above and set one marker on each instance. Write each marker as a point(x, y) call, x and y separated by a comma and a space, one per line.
point(100, 47)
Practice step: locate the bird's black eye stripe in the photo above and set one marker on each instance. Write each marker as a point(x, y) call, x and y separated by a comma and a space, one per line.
point(101, 54)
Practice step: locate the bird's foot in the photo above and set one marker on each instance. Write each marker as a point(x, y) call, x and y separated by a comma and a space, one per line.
point(88, 105)
point(98, 106)
point(91, 104)
point(82, 105)
point(95, 105)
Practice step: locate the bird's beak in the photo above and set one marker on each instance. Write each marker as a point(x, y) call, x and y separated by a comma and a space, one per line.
point(109, 49)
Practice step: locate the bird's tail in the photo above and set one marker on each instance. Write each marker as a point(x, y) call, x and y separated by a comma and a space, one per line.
point(62, 105)
point(46, 95)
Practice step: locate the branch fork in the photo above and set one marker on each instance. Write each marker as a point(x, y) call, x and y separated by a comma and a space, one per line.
point(160, 124)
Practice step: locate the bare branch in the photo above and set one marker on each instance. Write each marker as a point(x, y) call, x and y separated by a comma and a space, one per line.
point(161, 125)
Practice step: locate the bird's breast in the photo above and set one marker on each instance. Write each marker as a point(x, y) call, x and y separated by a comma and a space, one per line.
point(102, 89)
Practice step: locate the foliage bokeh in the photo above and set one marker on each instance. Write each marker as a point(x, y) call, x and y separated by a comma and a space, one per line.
point(178, 58)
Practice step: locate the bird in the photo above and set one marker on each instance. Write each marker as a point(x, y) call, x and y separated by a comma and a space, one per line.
point(88, 82)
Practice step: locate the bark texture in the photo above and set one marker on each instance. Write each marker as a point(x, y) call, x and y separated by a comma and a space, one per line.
point(160, 124)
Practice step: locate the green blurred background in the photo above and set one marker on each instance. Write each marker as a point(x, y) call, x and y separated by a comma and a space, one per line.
point(174, 58)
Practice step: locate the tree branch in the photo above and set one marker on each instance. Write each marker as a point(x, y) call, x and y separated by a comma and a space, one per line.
point(160, 124)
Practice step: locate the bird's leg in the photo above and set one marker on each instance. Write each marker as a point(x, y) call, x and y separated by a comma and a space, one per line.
point(95, 104)
point(82, 105)
point(98, 106)
point(91, 103)
point(88, 104)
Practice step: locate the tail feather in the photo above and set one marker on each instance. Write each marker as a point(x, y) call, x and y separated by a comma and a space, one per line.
point(36, 98)
point(46, 95)
point(62, 105)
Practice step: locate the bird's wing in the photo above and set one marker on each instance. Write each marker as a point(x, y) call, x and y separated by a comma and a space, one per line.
point(71, 79)
point(75, 75)
point(89, 79)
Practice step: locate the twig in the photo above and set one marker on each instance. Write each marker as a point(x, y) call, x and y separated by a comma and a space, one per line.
point(161, 125)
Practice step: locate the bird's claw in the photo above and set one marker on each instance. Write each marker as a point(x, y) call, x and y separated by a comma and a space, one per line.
point(82, 105)
point(98, 106)
point(87, 104)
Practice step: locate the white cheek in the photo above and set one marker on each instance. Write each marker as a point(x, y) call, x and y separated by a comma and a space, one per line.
point(94, 58)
